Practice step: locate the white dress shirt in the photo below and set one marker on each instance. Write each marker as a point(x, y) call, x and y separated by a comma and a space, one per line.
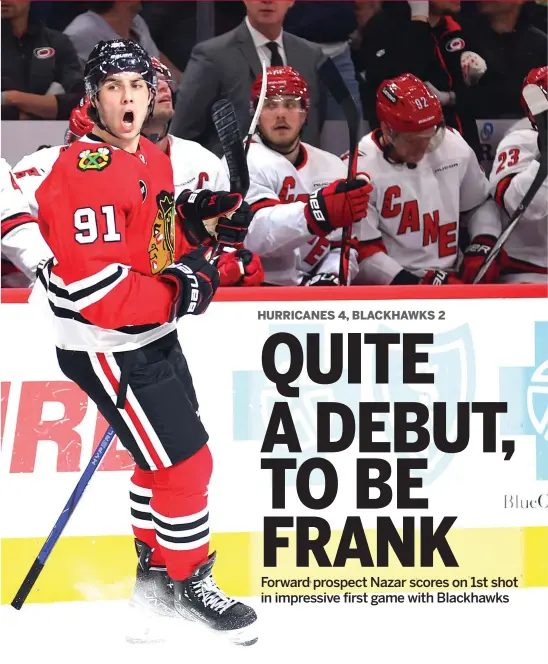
point(260, 41)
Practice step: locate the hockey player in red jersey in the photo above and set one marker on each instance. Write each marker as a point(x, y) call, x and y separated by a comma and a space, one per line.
point(117, 285)
point(299, 193)
point(524, 257)
point(194, 168)
point(427, 182)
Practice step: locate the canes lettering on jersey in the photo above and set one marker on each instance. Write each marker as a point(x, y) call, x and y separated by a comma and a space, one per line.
point(287, 194)
point(413, 220)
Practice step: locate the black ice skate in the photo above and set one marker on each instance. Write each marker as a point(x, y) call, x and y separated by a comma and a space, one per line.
point(198, 598)
point(152, 600)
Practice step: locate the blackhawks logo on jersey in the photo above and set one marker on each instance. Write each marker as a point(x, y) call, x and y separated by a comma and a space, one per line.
point(161, 247)
point(94, 160)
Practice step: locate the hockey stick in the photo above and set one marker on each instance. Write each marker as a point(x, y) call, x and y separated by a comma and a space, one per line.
point(258, 110)
point(538, 104)
point(226, 125)
point(333, 81)
point(41, 558)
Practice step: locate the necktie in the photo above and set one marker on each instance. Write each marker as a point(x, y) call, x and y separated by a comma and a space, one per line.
point(276, 58)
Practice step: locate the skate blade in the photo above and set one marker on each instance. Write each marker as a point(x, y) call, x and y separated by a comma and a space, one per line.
point(243, 636)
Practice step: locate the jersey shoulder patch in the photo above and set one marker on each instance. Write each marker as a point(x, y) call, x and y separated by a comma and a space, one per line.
point(94, 159)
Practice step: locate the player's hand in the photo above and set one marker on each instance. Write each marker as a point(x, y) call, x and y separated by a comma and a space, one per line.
point(440, 278)
point(473, 67)
point(323, 279)
point(196, 280)
point(240, 268)
point(339, 204)
point(206, 206)
point(474, 257)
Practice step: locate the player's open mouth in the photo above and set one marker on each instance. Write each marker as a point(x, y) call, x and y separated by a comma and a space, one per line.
point(282, 127)
point(127, 120)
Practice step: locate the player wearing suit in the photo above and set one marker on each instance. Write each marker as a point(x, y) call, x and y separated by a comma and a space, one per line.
point(298, 193)
point(119, 281)
point(427, 182)
point(525, 254)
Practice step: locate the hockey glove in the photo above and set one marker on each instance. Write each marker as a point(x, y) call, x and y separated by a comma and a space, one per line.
point(474, 257)
point(240, 268)
point(205, 207)
point(440, 278)
point(473, 67)
point(323, 279)
point(431, 278)
point(232, 229)
point(339, 204)
point(196, 280)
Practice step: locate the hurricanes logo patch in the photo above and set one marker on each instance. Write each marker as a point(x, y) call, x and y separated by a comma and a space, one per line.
point(44, 52)
point(456, 44)
point(161, 248)
point(94, 160)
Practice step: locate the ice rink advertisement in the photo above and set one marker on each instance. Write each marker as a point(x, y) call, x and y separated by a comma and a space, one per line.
point(380, 483)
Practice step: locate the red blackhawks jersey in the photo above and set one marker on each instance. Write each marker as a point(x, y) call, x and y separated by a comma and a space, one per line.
point(278, 193)
point(414, 214)
point(22, 244)
point(108, 217)
point(514, 169)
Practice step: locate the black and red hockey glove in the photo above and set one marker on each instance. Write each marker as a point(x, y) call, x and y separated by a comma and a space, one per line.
point(231, 229)
point(240, 268)
point(196, 280)
point(205, 207)
point(474, 257)
point(339, 204)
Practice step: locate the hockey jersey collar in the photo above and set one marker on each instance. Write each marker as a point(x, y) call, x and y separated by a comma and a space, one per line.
point(93, 138)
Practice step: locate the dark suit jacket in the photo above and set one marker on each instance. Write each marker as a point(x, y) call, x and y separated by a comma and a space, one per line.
point(225, 67)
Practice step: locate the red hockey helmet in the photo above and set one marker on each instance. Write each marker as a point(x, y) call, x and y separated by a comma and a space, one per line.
point(281, 81)
point(407, 105)
point(79, 122)
point(163, 72)
point(538, 76)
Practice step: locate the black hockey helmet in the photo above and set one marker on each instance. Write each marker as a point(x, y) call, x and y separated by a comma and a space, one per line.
point(116, 56)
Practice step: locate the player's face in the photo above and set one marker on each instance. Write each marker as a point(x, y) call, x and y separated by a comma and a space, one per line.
point(267, 13)
point(282, 119)
point(12, 9)
point(163, 105)
point(409, 147)
point(447, 7)
point(122, 104)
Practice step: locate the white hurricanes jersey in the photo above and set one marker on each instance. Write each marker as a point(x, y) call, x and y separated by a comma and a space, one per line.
point(195, 167)
point(33, 169)
point(514, 169)
point(22, 244)
point(414, 213)
point(279, 234)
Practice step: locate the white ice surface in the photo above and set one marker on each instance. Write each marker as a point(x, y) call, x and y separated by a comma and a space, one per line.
point(78, 633)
